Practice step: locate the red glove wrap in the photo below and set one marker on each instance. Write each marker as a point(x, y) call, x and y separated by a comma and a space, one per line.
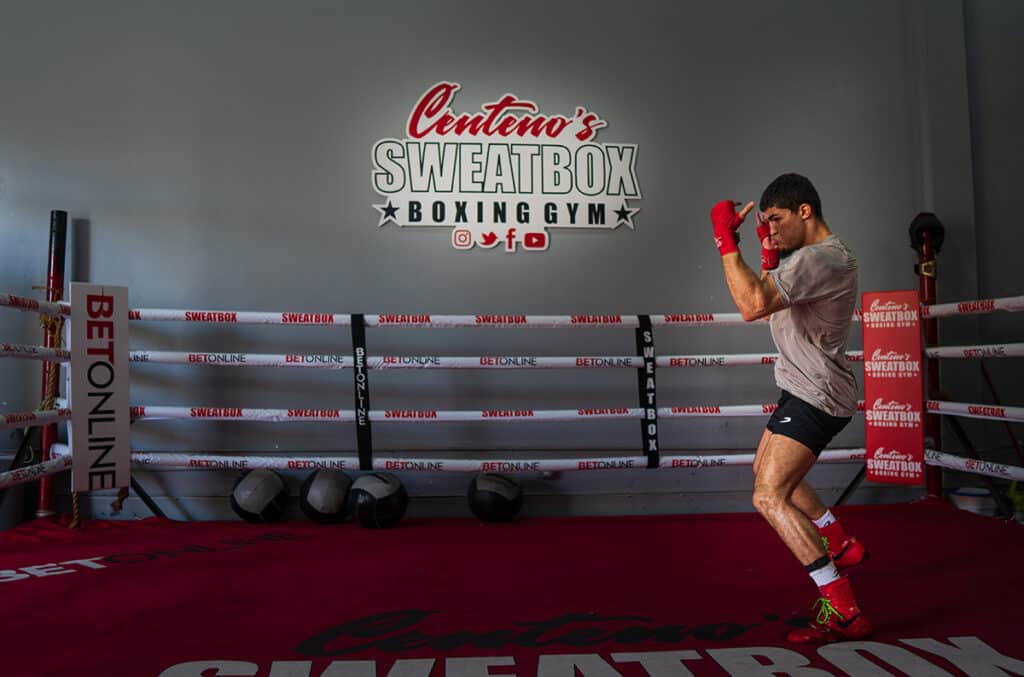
point(769, 257)
point(725, 221)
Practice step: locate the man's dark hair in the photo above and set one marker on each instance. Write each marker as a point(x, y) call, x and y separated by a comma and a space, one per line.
point(789, 191)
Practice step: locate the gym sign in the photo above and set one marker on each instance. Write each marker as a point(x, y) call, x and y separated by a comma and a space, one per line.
point(502, 176)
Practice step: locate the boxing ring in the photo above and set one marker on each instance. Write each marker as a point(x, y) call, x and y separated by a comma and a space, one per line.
point(654, 595)
point(501, 362)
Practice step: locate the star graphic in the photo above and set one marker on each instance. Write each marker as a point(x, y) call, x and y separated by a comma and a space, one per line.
point(387, 213)
point(624, 214)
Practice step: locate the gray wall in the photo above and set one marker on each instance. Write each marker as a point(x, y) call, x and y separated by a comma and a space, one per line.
point(994, 55)
point(217, 155)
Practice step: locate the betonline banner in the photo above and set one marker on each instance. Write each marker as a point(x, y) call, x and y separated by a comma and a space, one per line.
point(500, 177)
point(893, 388)
point(99, 434)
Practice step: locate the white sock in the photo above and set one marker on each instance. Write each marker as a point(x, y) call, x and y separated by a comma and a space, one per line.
point(825, 520)
point(825, 575)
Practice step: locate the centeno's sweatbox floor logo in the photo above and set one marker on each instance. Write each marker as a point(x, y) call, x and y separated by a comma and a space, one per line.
point(503, 176)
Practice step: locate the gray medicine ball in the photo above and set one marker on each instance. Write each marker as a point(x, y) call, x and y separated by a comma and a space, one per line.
point(495, 498)
point(378, 500)
point(260, 496)
point(324, 495)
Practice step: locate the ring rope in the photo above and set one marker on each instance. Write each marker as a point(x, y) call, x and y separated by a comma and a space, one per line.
point(977, 307)
point(507, 415)
point(963, 409)
point(41, 353)
point(982, 411)
point(200, 460)
point(212, 461)
point(1009, 304)
point(31, 473)
point(330, 361)
point(39, 418)
point(205, 460)
point(34, 418)
point(22, 303)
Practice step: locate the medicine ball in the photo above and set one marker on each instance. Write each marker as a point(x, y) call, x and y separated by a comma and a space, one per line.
point(494, 497)
point(260, 496)
point(378, 500)
point(324, 495)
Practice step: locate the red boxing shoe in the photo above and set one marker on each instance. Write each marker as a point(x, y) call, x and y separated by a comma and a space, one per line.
point(844, 550)
point(849, 554)
point(838, 617)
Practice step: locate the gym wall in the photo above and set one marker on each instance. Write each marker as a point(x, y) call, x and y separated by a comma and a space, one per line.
point(218, 156)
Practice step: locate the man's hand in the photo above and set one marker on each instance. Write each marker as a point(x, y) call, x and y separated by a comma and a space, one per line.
point(724, 221)
point(769, 250)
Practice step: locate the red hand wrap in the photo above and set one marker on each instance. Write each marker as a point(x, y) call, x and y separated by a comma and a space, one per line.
point(725, 221)
point(769, 257)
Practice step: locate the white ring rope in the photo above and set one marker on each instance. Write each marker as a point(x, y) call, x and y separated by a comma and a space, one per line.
point(978, 307)
point(205, 460)
point(971, 465)
point(240, 317)
point(208, 461)
point(431, 320)
point(34, 472)
point(386, 415)
point(1011, 304)
point(40, 353)
point(977, 352)
point(325, 361)
point(328, 361)
point(33, 418)
point(436, 416)
point(37, 418)
point(991, 412)
point(964, 409)
point(202, 460)
point(31, 305)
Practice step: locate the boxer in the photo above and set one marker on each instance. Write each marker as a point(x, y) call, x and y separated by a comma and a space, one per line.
point(808, 289)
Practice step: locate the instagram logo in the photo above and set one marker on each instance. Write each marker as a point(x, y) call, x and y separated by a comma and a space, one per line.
point(462, 238)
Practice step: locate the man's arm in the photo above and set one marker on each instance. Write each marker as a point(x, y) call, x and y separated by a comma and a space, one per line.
point(754, 296)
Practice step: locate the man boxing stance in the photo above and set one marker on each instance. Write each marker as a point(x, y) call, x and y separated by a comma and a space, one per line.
point(810, 299)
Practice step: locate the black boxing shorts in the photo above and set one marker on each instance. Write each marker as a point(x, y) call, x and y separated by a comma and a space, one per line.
point(805, 423)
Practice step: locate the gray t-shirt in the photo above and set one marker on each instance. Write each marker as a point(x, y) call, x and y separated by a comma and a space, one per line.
point(818, 285)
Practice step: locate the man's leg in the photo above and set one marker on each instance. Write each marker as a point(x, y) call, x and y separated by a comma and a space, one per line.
point(804, 497)
point(844, 550)
point(782, 464)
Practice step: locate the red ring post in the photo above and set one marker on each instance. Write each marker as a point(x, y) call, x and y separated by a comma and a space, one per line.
point(926, 236)
point(54, 293)
point(932, 423)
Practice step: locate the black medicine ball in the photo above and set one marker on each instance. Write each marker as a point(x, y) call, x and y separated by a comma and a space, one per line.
point(378, 500)
point(324, 495)
point(260, 496)
point(495, 498)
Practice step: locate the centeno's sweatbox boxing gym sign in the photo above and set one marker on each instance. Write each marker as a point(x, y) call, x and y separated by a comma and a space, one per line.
point(99, 434)
point(502, 176)
point(893, 387)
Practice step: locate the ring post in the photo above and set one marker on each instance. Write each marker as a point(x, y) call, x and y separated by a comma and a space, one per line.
point(926, 236)
point(51, 338)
